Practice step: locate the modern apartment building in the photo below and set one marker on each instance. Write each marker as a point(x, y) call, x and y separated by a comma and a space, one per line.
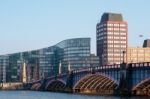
point(45, 62)
point(112, 38)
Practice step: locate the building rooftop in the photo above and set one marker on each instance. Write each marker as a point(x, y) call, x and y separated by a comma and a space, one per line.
point(146, 43)
point(111, 17)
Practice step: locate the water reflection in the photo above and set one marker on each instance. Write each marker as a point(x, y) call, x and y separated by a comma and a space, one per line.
point(49, 95)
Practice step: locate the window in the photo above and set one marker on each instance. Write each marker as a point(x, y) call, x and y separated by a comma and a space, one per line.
point(116, 29)
point(122, 25)
point(116, 33)
point(110, 32)
point(116, 41)
point(110, 37)
point(109, 24)
point(116, 24)
point(110, 45)
point(123, 42)
point(122, 37)
point(122, 29)
point(116, 37)
point(110, 41)
point(110, 29)
point(116, 45)
point(122, 33)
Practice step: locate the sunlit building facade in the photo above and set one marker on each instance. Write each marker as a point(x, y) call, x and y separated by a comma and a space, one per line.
point(112, 38)
point(138, 54)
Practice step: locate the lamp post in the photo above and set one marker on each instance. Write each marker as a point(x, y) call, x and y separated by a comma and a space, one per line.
point(140, 36)
point(124, 56)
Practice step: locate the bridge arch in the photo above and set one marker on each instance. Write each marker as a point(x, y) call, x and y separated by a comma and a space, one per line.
point(55, 85)
point(95, 84)
point(36, 86)
point(142, 88)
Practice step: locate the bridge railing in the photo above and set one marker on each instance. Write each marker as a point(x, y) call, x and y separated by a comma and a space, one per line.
point(101, 68)
point(142, 64)
point(104, 67)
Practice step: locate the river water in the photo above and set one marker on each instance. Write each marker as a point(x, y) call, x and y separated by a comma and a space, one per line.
point(49, 95)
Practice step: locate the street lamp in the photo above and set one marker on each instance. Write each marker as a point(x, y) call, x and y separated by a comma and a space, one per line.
point(124, 56)
point(140, 36)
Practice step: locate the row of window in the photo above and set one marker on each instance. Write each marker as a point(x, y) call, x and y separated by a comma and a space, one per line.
point(117, 33)
point(117, 46)
point(137, 54)
point(115, 50)
point(77, 48)
point(112, 33)
point(115, 54)
point(111, 29)
point(114, 37)
point(117, 29)
point(110, 24)
point(111, 37)
point(117, 59)
point(142, 51)
point(122, 42)
point(139, 59)
point(77, 51)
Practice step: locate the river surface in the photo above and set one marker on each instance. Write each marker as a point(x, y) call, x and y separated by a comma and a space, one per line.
point(49, 95)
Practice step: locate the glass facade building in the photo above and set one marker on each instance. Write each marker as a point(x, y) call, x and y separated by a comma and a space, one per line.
point(74, 51)
point(45, 62)
point(3, 65)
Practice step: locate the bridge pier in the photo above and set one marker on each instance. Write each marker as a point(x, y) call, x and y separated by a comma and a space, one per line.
point(69, 83)
point(125, 84)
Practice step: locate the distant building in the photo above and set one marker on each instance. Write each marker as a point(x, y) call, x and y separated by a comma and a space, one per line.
point(4, 62)
point(137, 55)
point(45, 62)
point(146, 43)
point(112, 38)
point(70, 51)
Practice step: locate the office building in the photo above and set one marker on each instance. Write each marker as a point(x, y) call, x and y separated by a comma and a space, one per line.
point(3, 64)
point(111, 38)
point(45, 62)
point(138, 55)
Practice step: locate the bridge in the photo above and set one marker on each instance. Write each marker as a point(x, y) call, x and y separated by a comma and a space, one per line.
point(121, 79)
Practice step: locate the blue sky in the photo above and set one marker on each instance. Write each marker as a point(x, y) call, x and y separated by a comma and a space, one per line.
point(34, 24)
